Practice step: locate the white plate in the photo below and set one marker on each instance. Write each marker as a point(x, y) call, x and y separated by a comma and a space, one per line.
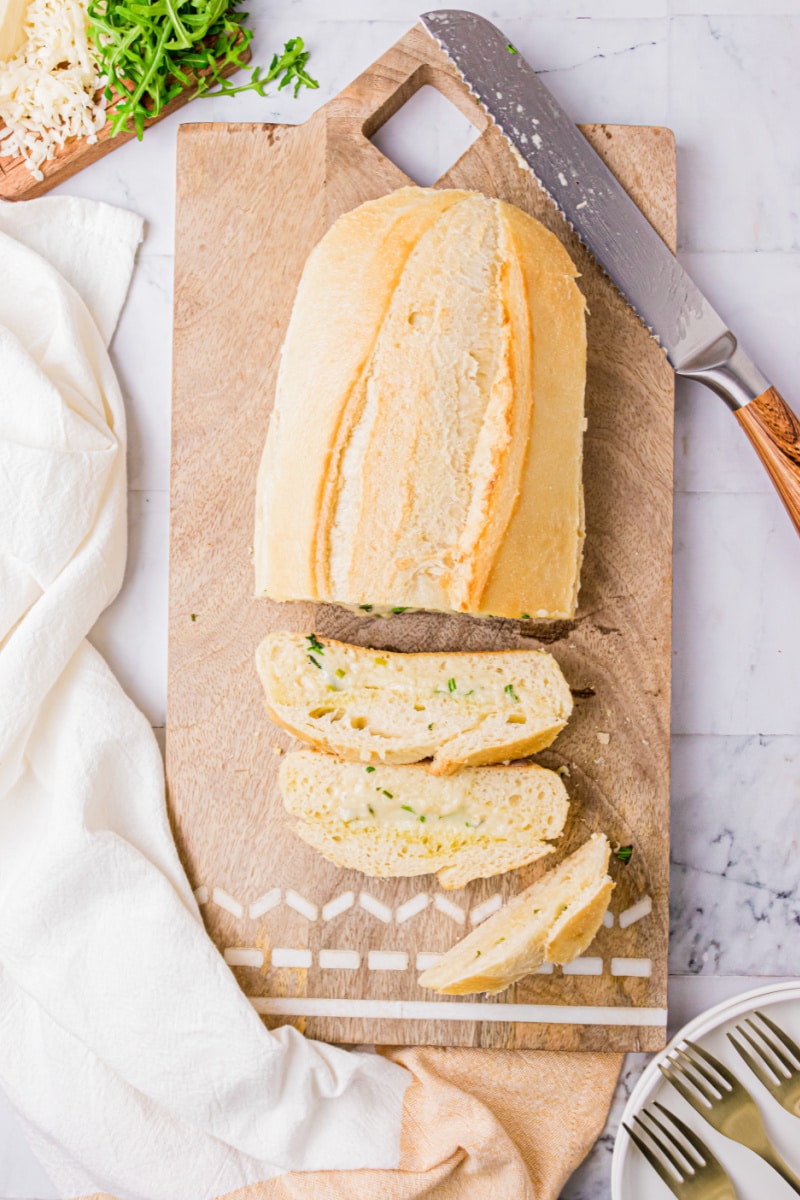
point(632, 1178)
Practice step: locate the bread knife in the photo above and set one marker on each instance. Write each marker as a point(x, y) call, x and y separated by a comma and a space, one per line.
point(697, 341)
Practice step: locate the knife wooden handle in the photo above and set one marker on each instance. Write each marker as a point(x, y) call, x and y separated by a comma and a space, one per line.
point(774, 431)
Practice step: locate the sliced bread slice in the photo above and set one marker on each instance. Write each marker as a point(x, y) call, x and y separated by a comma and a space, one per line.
point(374, 706)
point(388, 821)
point(553, 920)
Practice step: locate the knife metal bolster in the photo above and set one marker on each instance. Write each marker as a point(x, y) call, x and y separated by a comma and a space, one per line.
point(725, 368)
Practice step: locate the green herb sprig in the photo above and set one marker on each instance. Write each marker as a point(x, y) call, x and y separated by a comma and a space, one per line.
point(148, 51)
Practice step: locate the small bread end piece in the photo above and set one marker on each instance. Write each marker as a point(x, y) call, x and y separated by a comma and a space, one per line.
point(554, 920)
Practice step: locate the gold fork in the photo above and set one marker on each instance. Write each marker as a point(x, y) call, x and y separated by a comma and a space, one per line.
point(771, 1059)
point(716, 1094)
point(696, 1174)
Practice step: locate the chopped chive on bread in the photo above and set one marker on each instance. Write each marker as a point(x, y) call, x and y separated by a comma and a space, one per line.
point(554, 921)
point(401, 820)
point(374, 706)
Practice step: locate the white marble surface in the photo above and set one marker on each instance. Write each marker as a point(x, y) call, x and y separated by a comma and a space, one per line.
point(723, 75)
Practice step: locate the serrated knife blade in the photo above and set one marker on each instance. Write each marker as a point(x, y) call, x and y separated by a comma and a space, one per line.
point(697, 341)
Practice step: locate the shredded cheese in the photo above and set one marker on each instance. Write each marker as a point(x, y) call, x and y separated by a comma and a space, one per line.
point(50, 90)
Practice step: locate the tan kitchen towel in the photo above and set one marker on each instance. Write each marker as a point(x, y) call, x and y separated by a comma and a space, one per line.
point(477, 1125)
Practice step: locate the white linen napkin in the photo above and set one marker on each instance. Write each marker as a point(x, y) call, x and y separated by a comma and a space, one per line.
point(125, 1081)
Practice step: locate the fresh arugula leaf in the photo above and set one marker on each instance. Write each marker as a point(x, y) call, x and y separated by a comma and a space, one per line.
point(149, 51)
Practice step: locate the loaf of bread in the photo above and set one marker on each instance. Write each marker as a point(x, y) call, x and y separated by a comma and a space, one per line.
point(389, 821)
point(553, 920)
point(374, 706)
point(426, 440)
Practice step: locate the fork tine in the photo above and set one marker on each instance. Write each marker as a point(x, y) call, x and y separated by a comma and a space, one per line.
point(681, 1168)
point(776, 1050)
point(673, 1074)
point(655, 1162)
point(782, 1036)
point(754, 1065)
point(685, 1061)
point(714, 1063)
point(703, 1153)
point(758, 1043)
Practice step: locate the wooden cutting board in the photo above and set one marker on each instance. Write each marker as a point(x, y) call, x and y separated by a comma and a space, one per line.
point(332, 950)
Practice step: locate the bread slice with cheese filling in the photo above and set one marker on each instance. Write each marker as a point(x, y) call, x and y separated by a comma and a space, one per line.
point(401, 820)
point(553, 920)
point(374, 706)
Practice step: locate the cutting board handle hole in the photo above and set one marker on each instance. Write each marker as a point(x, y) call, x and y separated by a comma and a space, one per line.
point(425, 133)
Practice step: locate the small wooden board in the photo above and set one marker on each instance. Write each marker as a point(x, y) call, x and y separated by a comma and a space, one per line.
point(252, 202)
point(17, 182)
